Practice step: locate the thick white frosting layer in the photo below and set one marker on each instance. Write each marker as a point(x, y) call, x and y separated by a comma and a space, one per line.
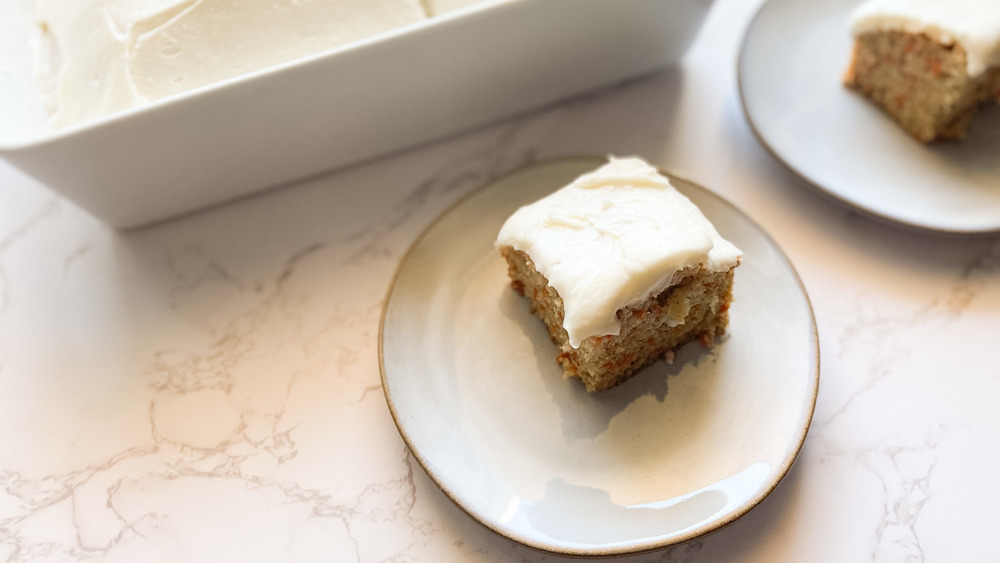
point(435, 7)
point(613, 238)
point(973, 24)
point(115, 54)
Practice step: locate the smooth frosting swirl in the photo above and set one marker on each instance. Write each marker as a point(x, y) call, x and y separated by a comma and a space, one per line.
point(111, 55)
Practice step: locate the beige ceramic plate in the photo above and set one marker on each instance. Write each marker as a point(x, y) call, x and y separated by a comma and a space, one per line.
point(790, 73)
point(675, 452)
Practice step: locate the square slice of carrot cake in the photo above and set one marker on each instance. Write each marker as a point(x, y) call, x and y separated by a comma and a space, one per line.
point(929, 64)
point(622, 268)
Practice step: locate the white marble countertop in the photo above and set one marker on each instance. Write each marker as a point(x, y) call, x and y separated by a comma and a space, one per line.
point(208, 389)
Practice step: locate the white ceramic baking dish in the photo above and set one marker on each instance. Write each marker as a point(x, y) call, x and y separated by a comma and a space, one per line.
point(381, 94)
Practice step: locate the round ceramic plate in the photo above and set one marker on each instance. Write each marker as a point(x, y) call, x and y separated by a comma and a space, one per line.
point(674, 452)
point(790, 72)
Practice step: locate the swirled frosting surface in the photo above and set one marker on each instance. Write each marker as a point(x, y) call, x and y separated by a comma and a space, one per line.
point(103, 56)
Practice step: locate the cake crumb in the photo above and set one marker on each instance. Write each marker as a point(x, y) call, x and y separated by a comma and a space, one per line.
point(669, 356)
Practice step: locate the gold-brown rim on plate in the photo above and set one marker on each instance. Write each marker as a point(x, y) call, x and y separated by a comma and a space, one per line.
point(640, 547)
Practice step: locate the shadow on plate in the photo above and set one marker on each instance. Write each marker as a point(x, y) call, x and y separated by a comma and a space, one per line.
point(586, 415)
point(978, 151)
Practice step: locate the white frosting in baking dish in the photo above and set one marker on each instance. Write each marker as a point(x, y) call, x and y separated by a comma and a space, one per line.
point(611, 239)
point(973, 24)
point(435, 7)
point(109, 55)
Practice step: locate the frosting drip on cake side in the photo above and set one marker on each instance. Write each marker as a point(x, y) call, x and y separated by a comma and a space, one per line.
point(973, 24)
point(612, 239)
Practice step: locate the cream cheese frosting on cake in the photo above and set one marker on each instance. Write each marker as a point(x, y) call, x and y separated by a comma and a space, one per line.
point(974, 24)
point(104, 56)
point(613, 238)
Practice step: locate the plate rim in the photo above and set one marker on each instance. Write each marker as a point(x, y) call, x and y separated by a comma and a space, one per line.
point(751, 502)
point(849, 204)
